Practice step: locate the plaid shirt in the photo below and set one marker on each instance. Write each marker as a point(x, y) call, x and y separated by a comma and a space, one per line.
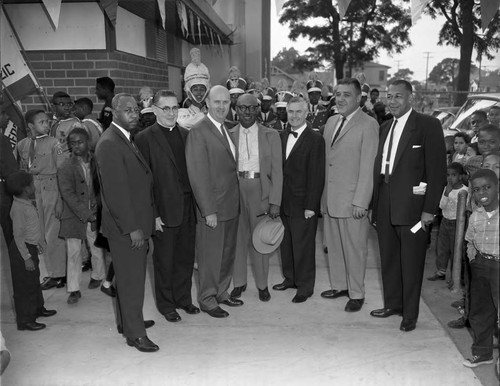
point(482, 233)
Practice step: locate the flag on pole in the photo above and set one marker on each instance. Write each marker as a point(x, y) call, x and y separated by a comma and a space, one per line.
point(53, 9)
point(343, 6)
point(161, 6)
point(417, 7)
point(488, 10)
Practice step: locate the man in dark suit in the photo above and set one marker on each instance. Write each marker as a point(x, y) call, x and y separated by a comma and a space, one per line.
point(303, 182)
point(127, 217)
point(409, 177)
point(211, 165)
point(163, 147)
point(260, 180)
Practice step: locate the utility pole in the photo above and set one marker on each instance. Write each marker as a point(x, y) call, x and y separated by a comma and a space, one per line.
point(427, 67)
point(398, 61)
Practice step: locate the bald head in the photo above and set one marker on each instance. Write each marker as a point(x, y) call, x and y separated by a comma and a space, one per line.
point(218, 103)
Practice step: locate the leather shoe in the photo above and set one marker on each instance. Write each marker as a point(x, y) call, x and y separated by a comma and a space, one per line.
point(93, 283)
point(190, 309)
point(73, 297)
point(143, 344)
point(282, 286)
point(264, 295)
point(30, 326)
point(217, 312)
point(48, 283)
point(385, 312)
point(236, 292)
point(147, 324)
point(232, 302)
point(354, 305)
point(334, 294)
point(46, 313)
point(110, 291)
point(172, 316)
point(300, 298)
point(408, 325)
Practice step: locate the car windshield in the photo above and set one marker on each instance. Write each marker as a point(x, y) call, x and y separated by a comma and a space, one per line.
point(473, 104)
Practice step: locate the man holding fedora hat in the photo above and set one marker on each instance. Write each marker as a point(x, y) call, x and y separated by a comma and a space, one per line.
point(260, 179)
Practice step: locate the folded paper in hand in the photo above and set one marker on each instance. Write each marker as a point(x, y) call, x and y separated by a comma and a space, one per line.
point(420, 189)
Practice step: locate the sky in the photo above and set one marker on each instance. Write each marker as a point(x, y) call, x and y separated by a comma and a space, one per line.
point(424, 38)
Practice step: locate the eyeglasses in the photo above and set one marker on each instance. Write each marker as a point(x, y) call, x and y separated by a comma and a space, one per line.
point(244, 108)
point(168, 109)
point(64, 104)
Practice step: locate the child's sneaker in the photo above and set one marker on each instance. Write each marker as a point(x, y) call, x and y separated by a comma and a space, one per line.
point(476, 360)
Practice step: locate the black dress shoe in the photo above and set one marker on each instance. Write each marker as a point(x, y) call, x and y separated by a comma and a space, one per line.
point(408, 325)
point(147, 324)
point(334, 294)
point(232, 302)
point(46, 313)
point(110, 291)
point(354, 305)
point(385, 312)
point(282, 286)
point(61, 281)
point(264, 295)
point(172, 316)
point(143, 344)
point(30, 326)
point(300, 298)
point(48, 283)
point(236, 292)
point(217, 312)
point(190, 309)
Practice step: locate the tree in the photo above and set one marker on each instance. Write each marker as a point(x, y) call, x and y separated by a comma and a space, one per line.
point(289, 60)
point(462, 29)
point(403, 73)
point(368, 27)
point(445, 72)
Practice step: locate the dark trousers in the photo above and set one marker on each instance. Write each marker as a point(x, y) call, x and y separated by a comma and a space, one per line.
point(130, 268)
point(483, 304)
point(402, 256)
point(298, 252)
point(28, 298)
point(5, 220)
point(173, 258)
point(445, 244)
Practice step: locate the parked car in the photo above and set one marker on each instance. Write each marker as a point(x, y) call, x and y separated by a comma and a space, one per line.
point(446, 116)
point(473, 103)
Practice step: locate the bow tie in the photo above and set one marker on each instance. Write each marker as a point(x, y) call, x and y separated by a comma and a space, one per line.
point(294, 133)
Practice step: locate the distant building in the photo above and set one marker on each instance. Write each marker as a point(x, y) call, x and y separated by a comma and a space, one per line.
point(376, 74)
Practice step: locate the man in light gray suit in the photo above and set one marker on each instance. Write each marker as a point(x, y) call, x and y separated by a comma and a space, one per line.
point(351, 139)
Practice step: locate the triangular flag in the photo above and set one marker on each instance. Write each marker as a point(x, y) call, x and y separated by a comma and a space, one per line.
point(110, 7)
point(488, 10)
point(161, 6)
point(53, 9)
point(417, 7)
point(343, 5)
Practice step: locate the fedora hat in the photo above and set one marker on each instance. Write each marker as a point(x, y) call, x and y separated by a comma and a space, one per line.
point(268, 234)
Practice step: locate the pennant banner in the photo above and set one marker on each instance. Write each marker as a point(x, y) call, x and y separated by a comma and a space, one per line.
point(161, 6)
point(417, 7)
point(343, 6)
point(181, 10)
point(488, 10)
point(53, 9)
point(16, 75)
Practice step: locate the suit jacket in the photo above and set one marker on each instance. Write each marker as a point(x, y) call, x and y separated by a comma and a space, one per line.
point(126, 186)
point(78, 201)
point(270, 163)
point(278, 125)
point(212, 171)
point(420, 157)
point(303, 173)
point(167, 187)
point(349, 170)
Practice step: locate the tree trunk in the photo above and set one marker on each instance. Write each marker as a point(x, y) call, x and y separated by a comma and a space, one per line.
point(466, 45)
point(339, 68)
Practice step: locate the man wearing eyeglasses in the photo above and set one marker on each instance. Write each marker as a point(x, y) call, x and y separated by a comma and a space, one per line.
point(63, 120)
point(212, 169)
point(128, 217)
point(163, 147)
point(261, 178)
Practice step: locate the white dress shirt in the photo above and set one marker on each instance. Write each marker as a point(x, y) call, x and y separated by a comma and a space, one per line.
point(290, 143)
point(218, 125)
point(398, 131)
point(125, 132)
point(248, 149)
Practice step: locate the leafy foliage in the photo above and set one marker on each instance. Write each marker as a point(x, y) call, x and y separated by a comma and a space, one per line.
point(289, 60)
point(403, 73)
point(445, 72)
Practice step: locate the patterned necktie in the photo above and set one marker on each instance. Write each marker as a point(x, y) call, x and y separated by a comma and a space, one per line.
point(337, 133)
point(388, 155)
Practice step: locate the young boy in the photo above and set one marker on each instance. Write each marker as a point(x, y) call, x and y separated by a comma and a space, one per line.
point(63, 119)
point(448, 204)
point(478, 119)
point(491, 162)
point(83, 108)
point(40, 155)
point(78, 221)
point(105, 91)
point(483, 252)
point(23, 253)
point(460, 146)
point(488, 142)
point(494, 115)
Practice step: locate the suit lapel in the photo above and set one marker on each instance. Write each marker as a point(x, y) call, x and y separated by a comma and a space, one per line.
point(330, 129)
point(405, 137)
point(350, 123)
point(300, 141)
point(234, 134)
point(131, 146)
point(215, 131)
point(78, 168)
point(160, 137)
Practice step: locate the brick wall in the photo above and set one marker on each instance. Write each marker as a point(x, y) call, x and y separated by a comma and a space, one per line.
point(75, 73)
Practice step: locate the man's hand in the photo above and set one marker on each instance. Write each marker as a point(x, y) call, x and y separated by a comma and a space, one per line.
point(159, 224)
point(137, 239)
point(426, 219)
point(308, 213)
point(58, 209)
point(274, 211)
point(211, 220)
point(358, 212)
point(29, 264)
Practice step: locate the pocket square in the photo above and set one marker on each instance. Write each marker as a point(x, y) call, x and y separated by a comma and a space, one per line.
point(416, 146)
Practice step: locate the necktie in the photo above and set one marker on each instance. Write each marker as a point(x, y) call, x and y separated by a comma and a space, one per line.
point(294, 133)
point(246, 139)
point(389, 150)
point(337, 133)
